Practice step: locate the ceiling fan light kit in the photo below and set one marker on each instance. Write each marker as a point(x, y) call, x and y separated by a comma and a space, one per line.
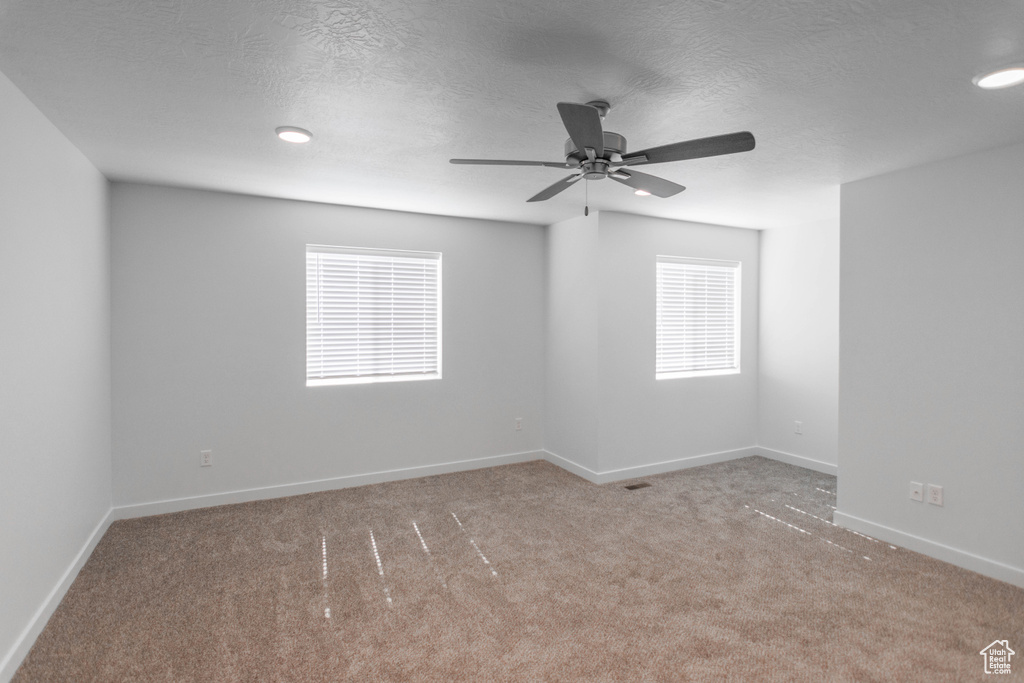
point(595, 154)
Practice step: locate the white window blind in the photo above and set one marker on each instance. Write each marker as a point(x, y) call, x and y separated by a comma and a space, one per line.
point(372, 315)
point(698, 317)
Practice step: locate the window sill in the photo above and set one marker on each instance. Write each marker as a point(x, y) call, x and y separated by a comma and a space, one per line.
point(369, 379)
point(696, 373)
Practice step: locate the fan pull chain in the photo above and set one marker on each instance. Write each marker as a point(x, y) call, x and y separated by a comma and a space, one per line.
point(586, 201)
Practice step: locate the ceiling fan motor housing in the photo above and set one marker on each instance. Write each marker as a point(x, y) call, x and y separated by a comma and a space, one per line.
point(613, 144)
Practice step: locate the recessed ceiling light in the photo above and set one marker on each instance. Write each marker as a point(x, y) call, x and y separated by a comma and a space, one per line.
point(642, 193)
point(293, 134)
point(1003, 78)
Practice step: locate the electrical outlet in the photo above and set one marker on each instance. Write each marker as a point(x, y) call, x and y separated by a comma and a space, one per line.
point(935, 494)
point(519, 424)
point(917, 491)
point(798, 427)
point(206, 458)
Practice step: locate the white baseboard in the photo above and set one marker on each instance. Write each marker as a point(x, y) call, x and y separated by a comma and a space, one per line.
point(161, 507)
point(955, 556)
point(14, 657)
point(798, 460)
point(649, 469)
point(577, 469)
point(673, 465)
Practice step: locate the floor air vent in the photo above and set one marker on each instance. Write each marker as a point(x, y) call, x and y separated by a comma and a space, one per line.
point(634, 487)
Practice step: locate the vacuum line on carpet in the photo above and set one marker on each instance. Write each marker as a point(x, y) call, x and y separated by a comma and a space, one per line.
point(816, 502)
point(855, 533)
point(323, 555)
point(791, 526)
point(804, 531)
point(323, 552)
point(479, 552)
point(380, 567)
point(430, 558)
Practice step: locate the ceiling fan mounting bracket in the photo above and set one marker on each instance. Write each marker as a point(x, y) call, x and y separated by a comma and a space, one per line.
point(601, 106)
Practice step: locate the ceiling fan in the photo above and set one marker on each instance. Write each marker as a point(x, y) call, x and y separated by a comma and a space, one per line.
point(594, 153)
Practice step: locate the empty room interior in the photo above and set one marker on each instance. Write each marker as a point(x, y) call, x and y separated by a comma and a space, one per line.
point(597, 341)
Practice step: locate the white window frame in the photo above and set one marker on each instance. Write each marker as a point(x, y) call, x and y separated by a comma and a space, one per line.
point(370, 370)
point(669, 316)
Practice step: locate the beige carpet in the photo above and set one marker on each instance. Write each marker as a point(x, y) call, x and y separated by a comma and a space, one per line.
point(525, 573)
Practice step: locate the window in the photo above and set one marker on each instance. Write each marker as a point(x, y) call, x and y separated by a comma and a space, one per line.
point(698, 317)
point(372, 315)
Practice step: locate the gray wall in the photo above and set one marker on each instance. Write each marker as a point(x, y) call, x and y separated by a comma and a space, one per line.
point(932, 357)
point(799, 344)
point(55, 360)
point(571, 428)
point(643, 420)
point(605, 410)
point(209, 346)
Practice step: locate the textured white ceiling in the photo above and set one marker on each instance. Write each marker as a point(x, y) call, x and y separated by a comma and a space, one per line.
point(188, 92)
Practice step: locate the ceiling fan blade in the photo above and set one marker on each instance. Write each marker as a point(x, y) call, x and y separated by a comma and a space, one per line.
point(551, 191)
point(506, 162)
point(641, 181)
point(583, 123)
point(692, 149)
